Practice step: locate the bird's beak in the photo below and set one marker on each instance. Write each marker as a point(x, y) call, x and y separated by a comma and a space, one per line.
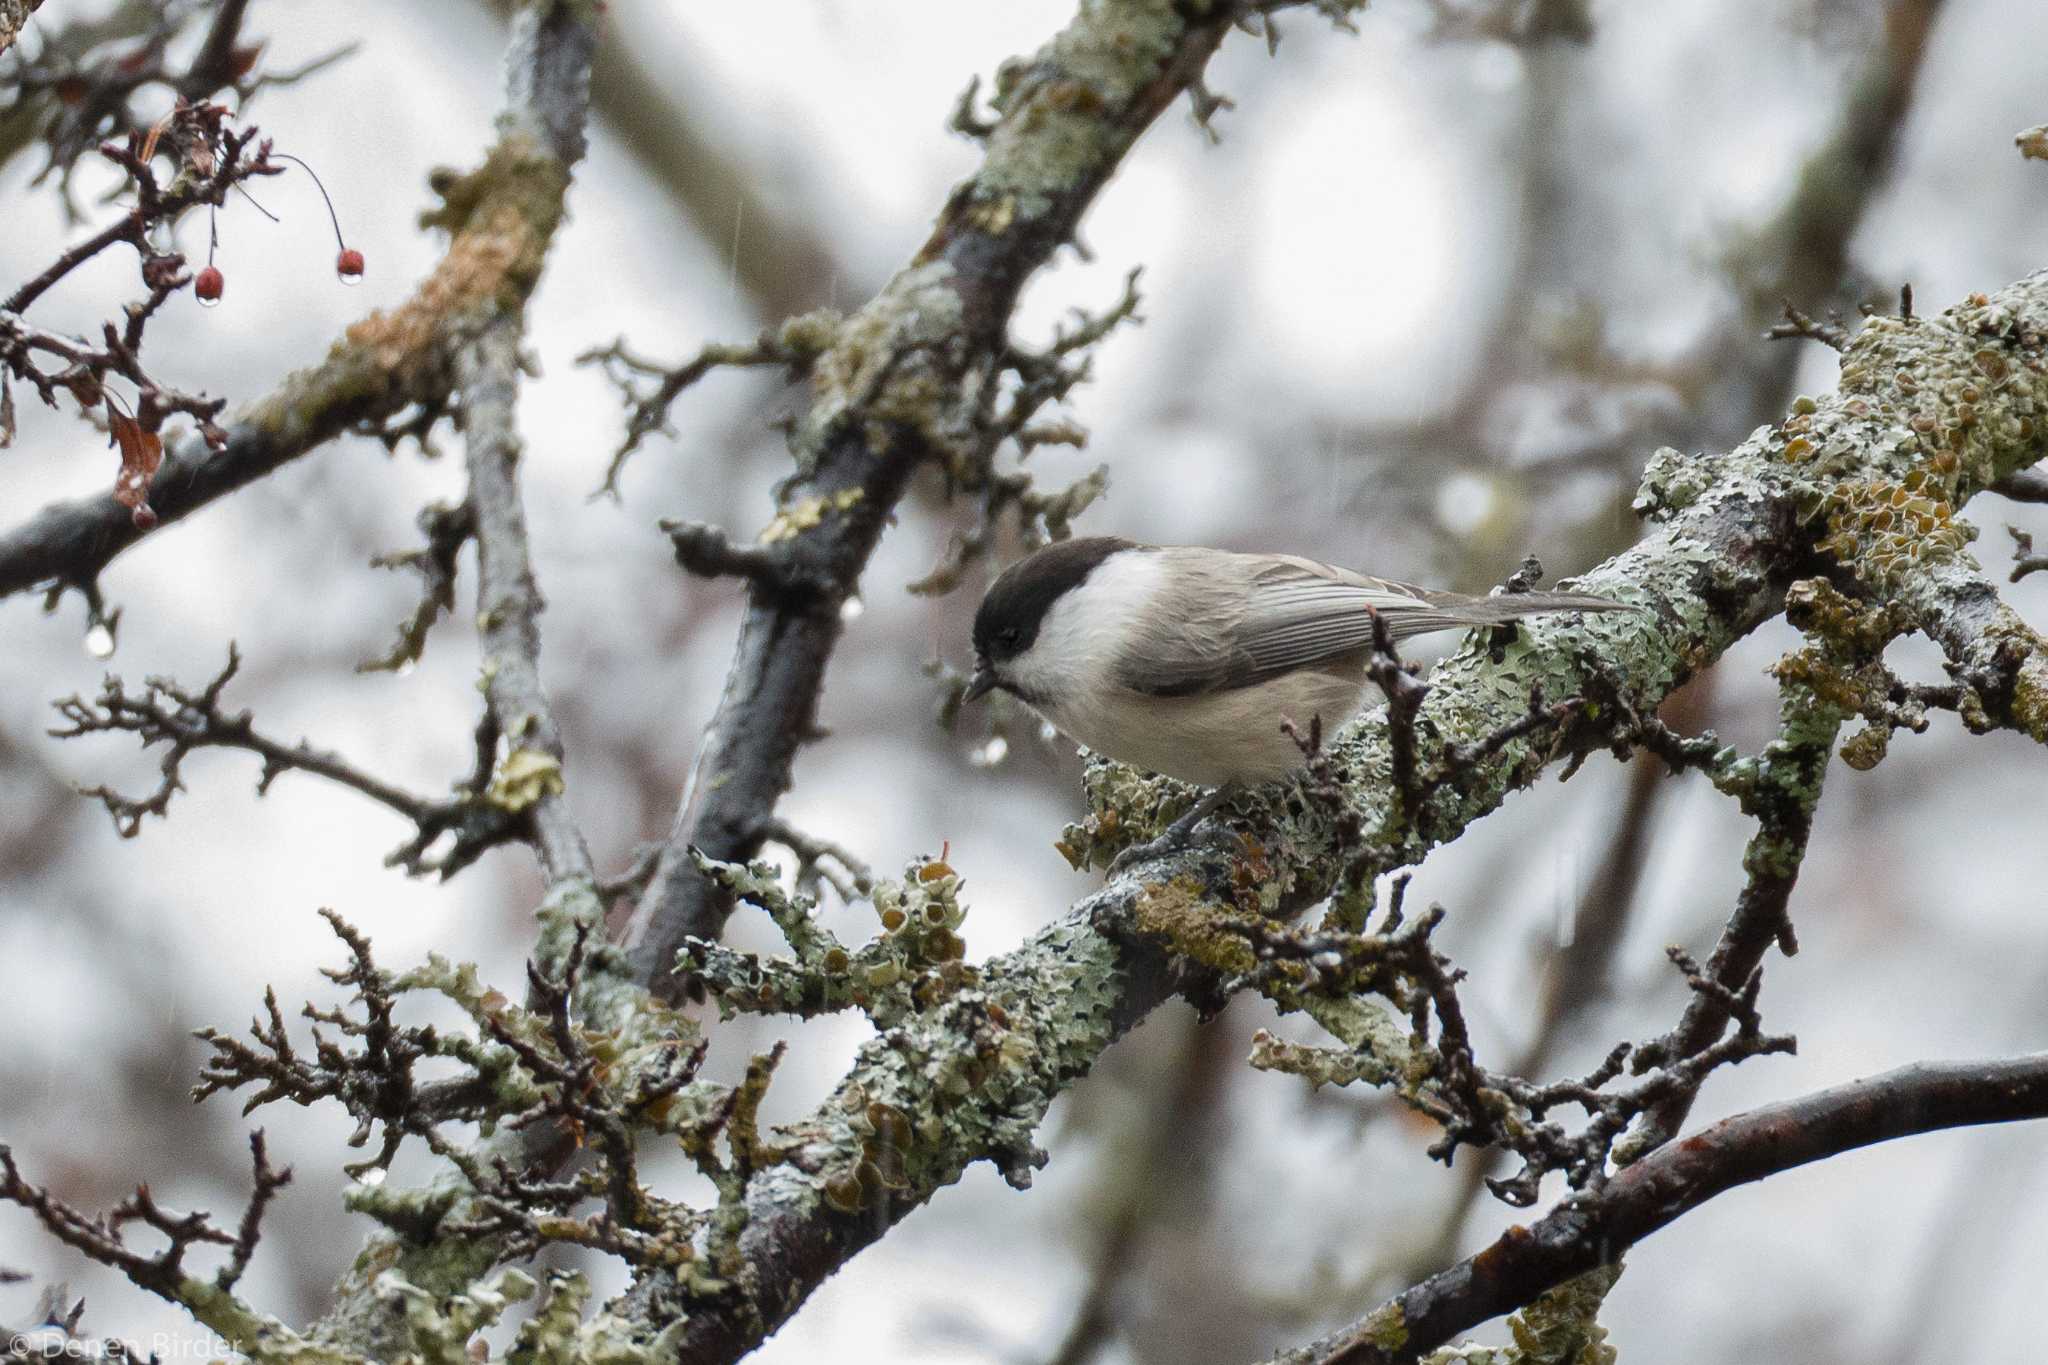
point(980, 685)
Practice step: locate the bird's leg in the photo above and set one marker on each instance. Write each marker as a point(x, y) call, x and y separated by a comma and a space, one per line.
point(1179, 834)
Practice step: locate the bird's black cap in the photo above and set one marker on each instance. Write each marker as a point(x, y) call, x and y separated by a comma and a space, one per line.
point(1015, 606)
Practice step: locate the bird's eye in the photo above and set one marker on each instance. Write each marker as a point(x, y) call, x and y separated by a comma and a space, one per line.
point(1010, 637)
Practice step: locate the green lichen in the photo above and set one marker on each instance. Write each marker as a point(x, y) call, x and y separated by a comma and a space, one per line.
point(881, 369)
point(1561, 1327)
point(1672, 481)
point(805, 513)
point(1180, 915)
point(1055, 133)
point(916, 960)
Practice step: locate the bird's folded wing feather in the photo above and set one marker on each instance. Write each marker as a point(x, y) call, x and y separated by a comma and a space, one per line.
point(1288, 613)
point(1300, 612)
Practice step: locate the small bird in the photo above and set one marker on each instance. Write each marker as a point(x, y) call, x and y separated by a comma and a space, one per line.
point(1184, 660)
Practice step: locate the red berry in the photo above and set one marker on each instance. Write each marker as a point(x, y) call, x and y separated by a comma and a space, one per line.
point(144, 517)
point(207, 285)
point(349, 265)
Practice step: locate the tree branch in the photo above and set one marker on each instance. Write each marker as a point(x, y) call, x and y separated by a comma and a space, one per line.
point(166, 713)
point(1596, 1228)
point(529, 774)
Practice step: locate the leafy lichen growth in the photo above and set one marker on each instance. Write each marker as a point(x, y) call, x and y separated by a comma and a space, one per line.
point(916, 960)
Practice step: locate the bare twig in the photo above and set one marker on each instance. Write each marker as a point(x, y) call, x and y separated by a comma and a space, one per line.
point(447, 530)
point(1476, 1105)
point(2024, 560)
point(165, 713)
point(104, 1239)
point(821, 859)
point(1832, 333)
point(794, 347)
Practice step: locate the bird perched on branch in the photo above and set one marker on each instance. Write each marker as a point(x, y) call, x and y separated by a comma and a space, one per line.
point(1184, 660)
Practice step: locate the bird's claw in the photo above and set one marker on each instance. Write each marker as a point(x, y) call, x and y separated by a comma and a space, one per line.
point(1178, 837)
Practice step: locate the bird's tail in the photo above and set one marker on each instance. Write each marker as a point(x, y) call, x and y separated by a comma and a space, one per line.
point(1450, 609)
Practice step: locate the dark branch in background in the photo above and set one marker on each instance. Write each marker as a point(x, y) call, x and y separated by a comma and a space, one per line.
point(776, 257)
point(649, 389)
point(1145, 1197)
point(105, 1239)
point(2027, 485)
point(165, 713)
point(1596, 1228)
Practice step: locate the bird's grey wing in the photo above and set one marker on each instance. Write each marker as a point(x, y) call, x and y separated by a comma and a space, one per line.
point(1300, 612)
point(1267, 614)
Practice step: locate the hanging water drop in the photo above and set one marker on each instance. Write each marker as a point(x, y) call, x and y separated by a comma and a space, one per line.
point(348, 266)
point(1047, 732)
point(851, 608)
point(99, 641)
point(988, 755)
point(372, 1177)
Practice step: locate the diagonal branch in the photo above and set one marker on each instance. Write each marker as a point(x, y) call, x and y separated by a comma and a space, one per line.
point(1595, 1229)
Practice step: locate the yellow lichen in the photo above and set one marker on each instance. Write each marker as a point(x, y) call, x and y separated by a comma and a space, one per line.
point(805, 513)
point(522, 778)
